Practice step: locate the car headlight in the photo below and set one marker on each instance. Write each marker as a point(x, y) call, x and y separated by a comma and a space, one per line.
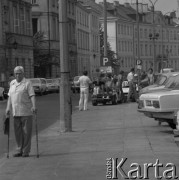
point(156, 104)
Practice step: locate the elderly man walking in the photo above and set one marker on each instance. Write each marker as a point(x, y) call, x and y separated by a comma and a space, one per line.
point(84, 82)
point(22, 100)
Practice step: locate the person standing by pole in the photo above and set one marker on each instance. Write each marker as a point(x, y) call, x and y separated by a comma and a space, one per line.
point(22, 99)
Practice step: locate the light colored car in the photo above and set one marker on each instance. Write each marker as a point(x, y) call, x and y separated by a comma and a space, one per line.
point(52, 85)
point(162, 81)
point(162, 105)
point(1, 93)
point(167, 70)
point(39, 85)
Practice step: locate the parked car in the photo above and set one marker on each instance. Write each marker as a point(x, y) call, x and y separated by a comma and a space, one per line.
point(52, 85)
point(39, 85)
point(162, 80)
point(100, 96)
point(167, 70)
point(1, 93)
point(162, 105)
point(75, 87)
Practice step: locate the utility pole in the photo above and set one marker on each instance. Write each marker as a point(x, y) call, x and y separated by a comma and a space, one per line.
point(65, 95)
point(138, 41)
point(48, 15)
point(105, 29)
point(137, 20)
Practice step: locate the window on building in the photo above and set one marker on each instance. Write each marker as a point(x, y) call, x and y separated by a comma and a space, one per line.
point(29, 67)
point(146, 49)
point(150, 50)
point(28, 20)
point(127, 30)
point(24, 64)
point(145, 33)
point(54, 29)
point(16, 19)
point(141, 33)
point(34, 25)
point(141, 49)
point(22, 20)
point(16, 62)
point(34, 1)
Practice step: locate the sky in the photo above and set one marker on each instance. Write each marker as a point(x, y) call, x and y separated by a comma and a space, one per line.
point(162, 5)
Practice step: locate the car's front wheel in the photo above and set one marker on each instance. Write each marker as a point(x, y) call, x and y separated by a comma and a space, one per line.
point(94, 103)
point(172, 125)
point(114, 100)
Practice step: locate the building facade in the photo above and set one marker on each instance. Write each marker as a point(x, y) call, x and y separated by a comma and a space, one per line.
point(16, 44)
point(88, 37)
point(45, 18)
point(45, 21)
point(155, 51)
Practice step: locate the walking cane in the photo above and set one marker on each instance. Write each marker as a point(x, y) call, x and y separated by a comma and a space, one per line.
point(8, 144)
point(36, 130)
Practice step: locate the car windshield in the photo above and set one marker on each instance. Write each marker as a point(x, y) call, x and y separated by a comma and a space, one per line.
point(160, 80)
point(33, 81)
point(173, 82)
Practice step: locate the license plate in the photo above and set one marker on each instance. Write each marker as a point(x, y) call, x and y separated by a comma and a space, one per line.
point(148, 103)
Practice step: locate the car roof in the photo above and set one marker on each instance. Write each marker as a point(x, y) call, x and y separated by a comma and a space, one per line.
point(170, 74)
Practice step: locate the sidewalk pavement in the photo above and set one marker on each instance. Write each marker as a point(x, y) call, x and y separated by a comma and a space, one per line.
point(99, 133)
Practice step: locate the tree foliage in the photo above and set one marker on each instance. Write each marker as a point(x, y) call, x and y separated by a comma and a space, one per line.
point(43, 58)
point(110, 54)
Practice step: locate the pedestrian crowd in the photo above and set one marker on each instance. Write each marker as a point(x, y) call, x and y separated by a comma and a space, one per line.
point(134, 81)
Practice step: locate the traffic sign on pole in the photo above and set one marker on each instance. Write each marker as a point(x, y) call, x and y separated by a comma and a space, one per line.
point(139, 62)
point(105, 61)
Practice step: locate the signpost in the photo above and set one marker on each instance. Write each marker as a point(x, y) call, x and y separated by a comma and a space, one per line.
point(105, 61)
point(139, 64)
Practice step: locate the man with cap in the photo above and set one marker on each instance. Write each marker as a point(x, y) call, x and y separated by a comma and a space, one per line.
point(22, 100)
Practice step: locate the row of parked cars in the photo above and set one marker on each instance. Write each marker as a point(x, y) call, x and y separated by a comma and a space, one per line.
point(45, 86)
point(41, 86)
point(161, 100)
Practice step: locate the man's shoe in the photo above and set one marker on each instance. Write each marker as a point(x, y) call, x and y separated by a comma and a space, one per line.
point(17, 155)
point(25, 155)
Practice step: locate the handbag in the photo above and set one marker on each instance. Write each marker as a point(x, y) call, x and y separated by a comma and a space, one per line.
point(6, 125)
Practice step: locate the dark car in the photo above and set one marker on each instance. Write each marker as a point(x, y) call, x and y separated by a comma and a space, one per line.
point(103, 95)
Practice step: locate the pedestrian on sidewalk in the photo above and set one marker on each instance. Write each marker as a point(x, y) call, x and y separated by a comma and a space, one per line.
point(132, 85)
point(120, 80)
point(22, 100)
point(84, 82)
point(150, 76)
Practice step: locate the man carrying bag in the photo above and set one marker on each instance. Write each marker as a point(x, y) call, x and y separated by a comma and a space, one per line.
point(6, 130)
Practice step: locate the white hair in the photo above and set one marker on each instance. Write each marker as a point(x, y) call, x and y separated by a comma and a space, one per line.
point(19, 68)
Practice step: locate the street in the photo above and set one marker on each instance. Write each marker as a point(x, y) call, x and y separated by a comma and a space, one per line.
point(48, 113)
point(101, 133)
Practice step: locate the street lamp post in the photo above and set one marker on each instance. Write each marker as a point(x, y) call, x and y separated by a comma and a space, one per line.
point(154, 37)
point(162, 60)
